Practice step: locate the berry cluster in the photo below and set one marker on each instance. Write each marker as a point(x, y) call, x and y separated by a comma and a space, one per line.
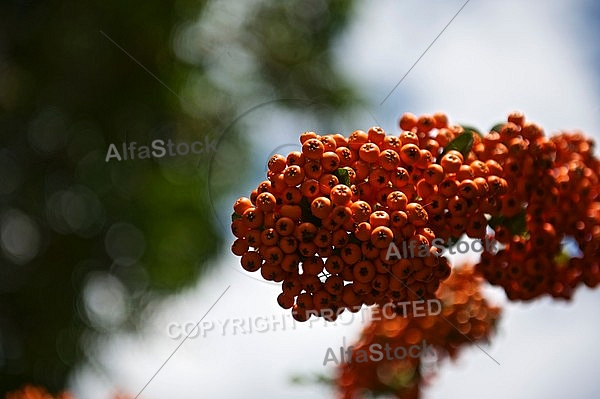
point(459, 188)
point(466, 318)
point(323, 221)
point(554, 199)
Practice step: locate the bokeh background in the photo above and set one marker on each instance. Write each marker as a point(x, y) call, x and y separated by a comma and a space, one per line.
point(98, 258)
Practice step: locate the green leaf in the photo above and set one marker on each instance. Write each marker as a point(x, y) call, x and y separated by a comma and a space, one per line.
point(307, 215)
point(235, 216)
point(562, 259)
point(462, 144)
point(343, 176)
point(471, 130)
point(516, 224)
point(496, 128)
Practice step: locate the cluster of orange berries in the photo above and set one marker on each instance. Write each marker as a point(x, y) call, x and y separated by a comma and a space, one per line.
point(323, 221)
point(458, 199)
point(554, 199)
point(466, 318)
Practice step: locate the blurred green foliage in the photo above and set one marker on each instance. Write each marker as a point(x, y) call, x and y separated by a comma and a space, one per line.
point(67, 91)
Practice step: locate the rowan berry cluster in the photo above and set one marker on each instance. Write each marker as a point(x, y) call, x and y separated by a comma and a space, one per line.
point(466, 318)
point(554, 198)
point(458, 188)
point(322, 222)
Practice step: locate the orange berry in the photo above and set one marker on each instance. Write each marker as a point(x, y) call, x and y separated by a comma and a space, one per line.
point(330, 161)
point(340, 194)
point(398, 219)
point(382, 236)
point(361, 211)
point(313, 266)
point(399, 177)
point(432, 146)
point(323, 238)
point(408, 121)
point(434, 174)
point(425, 159)
point(334, 284)
point(340, 140)
point(345, 155)
point(451, 163)
point(340, 238)
point(239, 246)
point(291, 195)
point(269, 237)
point(410, 154)
point(424, 189)
point(254, 238)
point(263, 187)
point(313, 169)
point(293, 212)
point(305, 232)
point(284, 226)
point(334, 264)
point(272, 255)
point(467, 189)
point(276, 163)
point(251, 261)
point(457, 206)
point(364, 271)
point(441, 120)
point(307, 249)
point(313, 149)
point(378, 178)
point(465, 173)
point(448, 187)
point(253, 218)
point(379, 218)
point(425, 123)
point(288, 245)
point(416, 214)
point(307, 136)
point(241, 204)
point(328, 142)
point(327, 182)
point(409, 137)
point(295, 158)
point(293, 175)
point(517, 118)
point(265, 202)
point(396, 200)
point(285, 301)
point(350, 254)
point(376, 135)
point(278, 183)
point(238, 228)
point(321, 207)
point(369, 152)
point(350, 298)
point(310, 188)
point(363, 231)
point(356, 139)
point(389, 159)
